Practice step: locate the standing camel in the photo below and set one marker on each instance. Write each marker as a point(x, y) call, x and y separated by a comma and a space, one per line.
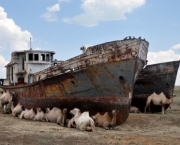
point(159, 100)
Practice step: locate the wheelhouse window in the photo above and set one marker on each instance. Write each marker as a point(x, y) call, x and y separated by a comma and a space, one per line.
point(47, 57)
point(42, 57)
point(30, 56)
point(51, 57)
point(36, 56)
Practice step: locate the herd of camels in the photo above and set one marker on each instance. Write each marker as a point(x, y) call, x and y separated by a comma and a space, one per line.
point(80, 120)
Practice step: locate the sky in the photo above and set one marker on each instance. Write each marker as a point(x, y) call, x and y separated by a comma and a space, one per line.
point(64, 26)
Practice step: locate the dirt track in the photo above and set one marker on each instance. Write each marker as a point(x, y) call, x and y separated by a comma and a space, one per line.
point(138, 129)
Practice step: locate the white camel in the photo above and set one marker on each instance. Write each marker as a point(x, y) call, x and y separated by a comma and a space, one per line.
point(159, 100)
point(71, 122)
point(6, 97)
point(83, 122)
point(56, 116)
point(27, 114)
point(134, 109)
point(39, 115)
point(15, 110)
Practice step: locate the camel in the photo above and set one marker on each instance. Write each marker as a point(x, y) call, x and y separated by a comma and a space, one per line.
point(16, 110)
point(83, 122)
point(6, 97)
point(27, 114)
point(105, 120)
point(56, 116)
point(134, 109)
point(39, 115)
point(160, 100)
point(71, 122)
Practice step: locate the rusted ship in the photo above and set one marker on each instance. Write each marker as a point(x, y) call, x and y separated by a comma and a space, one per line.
point(156, 78)
point(98, 80)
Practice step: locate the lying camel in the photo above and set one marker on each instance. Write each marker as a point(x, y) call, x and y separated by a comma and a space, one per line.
point(160, 100)
point(71, 122)
point(6, 97)
point(134, 109)
point(105, 120)
point(39, 115)
point(56, 116)
point(27, 114)
point(16, 110)
point(84, 121)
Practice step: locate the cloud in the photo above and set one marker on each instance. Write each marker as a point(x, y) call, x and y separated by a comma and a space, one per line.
point(3, 62)
point(176, 47)
point(104, 10)
point(11, 35)
point(53, 8)
point(164, 56)
point(51, 15)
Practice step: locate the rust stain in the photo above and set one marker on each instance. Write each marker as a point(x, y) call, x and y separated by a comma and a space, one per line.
point(53, 89)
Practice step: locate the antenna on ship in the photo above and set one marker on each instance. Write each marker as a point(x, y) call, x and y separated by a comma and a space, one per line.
point(30, 44)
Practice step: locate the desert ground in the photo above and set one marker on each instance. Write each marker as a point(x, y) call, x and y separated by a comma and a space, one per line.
point(139, 129)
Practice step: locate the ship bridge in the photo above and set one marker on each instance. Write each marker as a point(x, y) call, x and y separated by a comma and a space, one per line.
point(25, 63)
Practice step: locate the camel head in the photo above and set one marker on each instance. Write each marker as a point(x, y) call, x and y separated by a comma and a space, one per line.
point(38, 109)
point(75, 111)
point(114, 112)
point(64, 111)
point(47, 110)
point(95, 119)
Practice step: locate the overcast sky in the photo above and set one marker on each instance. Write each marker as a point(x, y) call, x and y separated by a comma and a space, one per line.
point(64, 26)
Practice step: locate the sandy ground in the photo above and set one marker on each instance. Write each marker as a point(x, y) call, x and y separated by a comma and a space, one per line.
point(140, 129)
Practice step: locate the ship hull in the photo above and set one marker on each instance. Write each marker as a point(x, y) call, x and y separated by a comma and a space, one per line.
point(100, 87)
point(154, 78)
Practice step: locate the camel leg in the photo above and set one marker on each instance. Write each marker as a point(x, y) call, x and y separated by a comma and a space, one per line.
point(88, 128)
point(150, 108)
point(105, 126)
point(71, 123)
point(145, 108)
point(147, 104)
point(82, 127)
point(162, 109)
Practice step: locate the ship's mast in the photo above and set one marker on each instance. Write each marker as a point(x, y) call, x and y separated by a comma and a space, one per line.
point(30, 44)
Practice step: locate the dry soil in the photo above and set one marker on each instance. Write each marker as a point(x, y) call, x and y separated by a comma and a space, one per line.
point(140, 129)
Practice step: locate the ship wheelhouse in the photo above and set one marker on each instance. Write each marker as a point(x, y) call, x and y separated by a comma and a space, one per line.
point(25, 63)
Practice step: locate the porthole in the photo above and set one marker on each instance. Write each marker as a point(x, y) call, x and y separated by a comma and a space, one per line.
point(73, 83)
point(121, 80)
point(167, 85)
point(87, 62)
